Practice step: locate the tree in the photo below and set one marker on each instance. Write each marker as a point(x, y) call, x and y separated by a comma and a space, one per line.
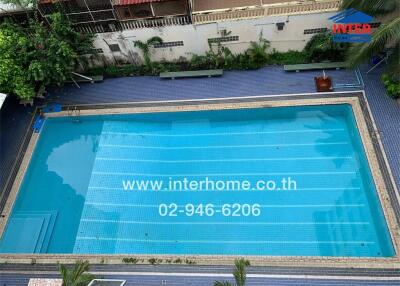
point(386, 36)
point(145, 48)
point(321, 47)
point(59, 50)
point(239, 273)
point(14, 47)
point(77, 275)
point(36, 56)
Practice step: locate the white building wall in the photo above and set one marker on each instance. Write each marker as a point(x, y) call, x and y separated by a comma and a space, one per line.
point(195, 37)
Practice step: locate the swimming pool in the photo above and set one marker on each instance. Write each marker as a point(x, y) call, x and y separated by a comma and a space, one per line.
point(283, 181)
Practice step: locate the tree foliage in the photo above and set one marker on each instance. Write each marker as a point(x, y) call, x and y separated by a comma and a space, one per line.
point(321, 48)
point(145, 48)
point(76, 276)
point(385, 39)
point(258, 51)
point(38, 55)
point(14, 48)
point(239, 273)
point(372, 7)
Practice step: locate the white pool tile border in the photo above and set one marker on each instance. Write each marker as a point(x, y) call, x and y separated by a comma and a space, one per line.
point(393, 262)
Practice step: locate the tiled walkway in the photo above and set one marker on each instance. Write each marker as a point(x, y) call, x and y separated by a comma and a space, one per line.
point(266, 81)
point(201, 280)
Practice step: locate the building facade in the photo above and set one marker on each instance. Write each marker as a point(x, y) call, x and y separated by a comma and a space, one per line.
point(188, 27)
point(233, 23)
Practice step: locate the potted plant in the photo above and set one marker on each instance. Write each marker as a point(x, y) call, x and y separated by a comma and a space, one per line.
point(323, 83)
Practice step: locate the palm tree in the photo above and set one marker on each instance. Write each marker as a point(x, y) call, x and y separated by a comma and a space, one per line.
point(387, 35)
point(77, 275)
point(239, 273)
point(145, 48)
point(258, 51)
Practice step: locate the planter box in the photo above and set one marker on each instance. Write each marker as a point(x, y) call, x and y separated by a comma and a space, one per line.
point(44, 282)
point(323, 84)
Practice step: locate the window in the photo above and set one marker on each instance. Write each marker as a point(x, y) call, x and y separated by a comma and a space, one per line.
point(114, 48)
point(315, 31)
point(169, 44)
point(223, 39)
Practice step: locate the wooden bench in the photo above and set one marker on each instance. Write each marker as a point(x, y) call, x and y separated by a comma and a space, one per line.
point(315, 66)
point(183, 74)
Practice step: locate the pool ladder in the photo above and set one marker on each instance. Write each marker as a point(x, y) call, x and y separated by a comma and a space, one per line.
point(75, 113)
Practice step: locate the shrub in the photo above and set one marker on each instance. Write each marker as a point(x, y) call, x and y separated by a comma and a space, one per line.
point(76, 275)
point(288, 58)
point(392, 85)
point(321, 48)
point(257, 53)
point(132, 260)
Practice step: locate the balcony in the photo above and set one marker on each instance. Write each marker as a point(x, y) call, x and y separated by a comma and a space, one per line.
point(207, 11)
point(150, 10)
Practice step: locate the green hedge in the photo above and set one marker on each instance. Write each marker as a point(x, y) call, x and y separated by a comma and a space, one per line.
point(319, 48)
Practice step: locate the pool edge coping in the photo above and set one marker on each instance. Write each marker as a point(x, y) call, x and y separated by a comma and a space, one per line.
point(312, 261)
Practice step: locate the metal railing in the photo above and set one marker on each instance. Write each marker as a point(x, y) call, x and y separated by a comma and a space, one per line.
point(95, 28)
point(229, 15)
point(268, 10)
point(151, 23)
point(131, 24)
point(306, 8)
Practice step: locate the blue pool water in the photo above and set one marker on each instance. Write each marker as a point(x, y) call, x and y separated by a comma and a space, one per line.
point(75, 197)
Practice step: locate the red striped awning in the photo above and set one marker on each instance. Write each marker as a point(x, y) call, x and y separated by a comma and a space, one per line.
point(134, 2)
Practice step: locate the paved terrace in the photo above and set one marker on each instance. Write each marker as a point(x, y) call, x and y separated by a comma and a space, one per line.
point(266, 81)
point(193, 280)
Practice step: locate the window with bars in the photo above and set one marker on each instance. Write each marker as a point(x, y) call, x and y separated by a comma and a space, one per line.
point(223, 39)
point(315, 31)
point(169, 44)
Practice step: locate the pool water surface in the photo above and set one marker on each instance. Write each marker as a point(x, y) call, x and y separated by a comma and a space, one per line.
point(292, 181)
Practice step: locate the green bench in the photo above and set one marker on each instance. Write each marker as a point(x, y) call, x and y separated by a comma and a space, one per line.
point(183, 74)
point(95, 78)
point(315, 66)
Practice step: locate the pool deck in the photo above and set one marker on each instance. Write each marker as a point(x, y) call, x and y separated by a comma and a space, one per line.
point(266, 81)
